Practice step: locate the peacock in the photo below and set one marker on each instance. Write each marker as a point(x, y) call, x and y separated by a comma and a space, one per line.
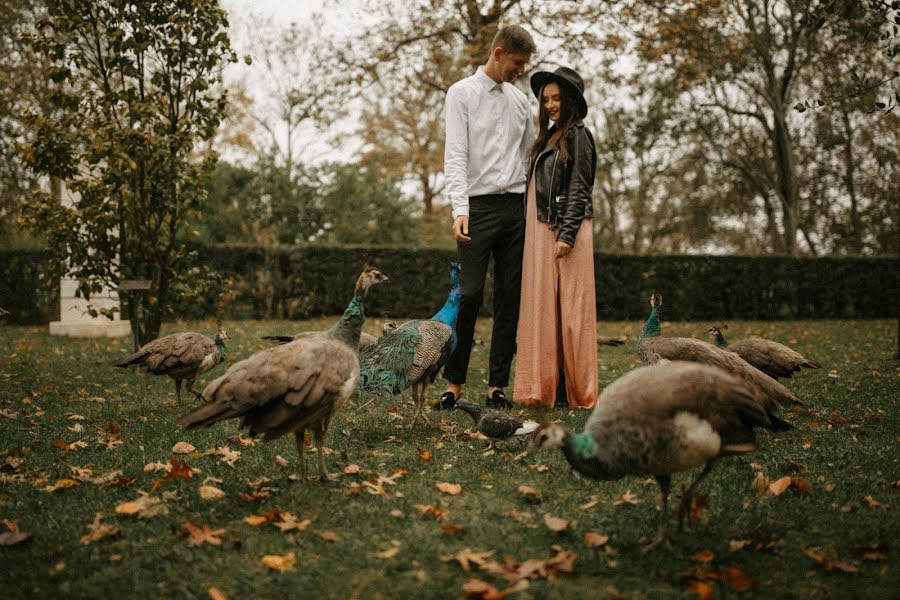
point(295, 386)
point(494, 424)
point(181, 356)
point(365, 339)
point(414, 353)
point(774, 359)
point(653, 347)
point(659, 420)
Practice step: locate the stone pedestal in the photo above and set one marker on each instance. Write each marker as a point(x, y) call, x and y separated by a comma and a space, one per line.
point(74, 320)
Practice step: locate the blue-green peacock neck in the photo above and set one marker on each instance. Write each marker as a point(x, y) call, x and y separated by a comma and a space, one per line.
point(220, 346)
point(348, 328)
point(721, 342)
point(583, 453)
point(652, 327)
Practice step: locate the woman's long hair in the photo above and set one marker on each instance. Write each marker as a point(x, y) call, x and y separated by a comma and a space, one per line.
point(555, 137)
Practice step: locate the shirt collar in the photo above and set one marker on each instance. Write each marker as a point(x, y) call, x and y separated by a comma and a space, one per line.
point(486, 82)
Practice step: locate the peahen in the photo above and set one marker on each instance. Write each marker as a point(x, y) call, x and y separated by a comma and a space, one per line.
point(181, 356)
point(365, 339)
point(414, 353)
point(774, 359)
point(295, 386)
point(653, 347)
point(494, 424)
point(660, 420)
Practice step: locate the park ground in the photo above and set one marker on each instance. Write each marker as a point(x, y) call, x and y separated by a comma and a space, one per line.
point(99, 497)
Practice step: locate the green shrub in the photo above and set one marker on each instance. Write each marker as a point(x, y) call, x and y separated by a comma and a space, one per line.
point(291, 282)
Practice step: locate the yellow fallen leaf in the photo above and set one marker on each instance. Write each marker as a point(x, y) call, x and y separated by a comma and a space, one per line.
point(61, 485)
point(256, 520)
point(555, 523)
point(211, 492)
point(449, 488)
point(182, 448)
point(389, 553)
point(329, 536)
point(280, 563)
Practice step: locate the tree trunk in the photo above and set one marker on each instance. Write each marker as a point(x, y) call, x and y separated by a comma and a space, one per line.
point(785, 167)
point(856, 244)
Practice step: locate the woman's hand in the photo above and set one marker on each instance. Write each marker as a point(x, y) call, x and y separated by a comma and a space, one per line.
point(562, 249)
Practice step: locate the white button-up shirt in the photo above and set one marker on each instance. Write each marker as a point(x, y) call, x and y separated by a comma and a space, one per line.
point(489, 133)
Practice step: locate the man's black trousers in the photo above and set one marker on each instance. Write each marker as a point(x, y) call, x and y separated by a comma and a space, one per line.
point(497, 229)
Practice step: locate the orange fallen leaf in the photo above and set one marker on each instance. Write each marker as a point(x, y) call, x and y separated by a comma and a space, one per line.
point(449, 488)
point(555, 523)
point(434, 511)
point(778, 487)
point(466, 556)
point(452, 529)
point(594, 501)
point(216, 594)
point(593, 539)
point(703, 589)
point(735, 545)
point(329, 536)
point(281, 563)
point(479, 588)
point(202, 534)
point(829, 563)
point(737, 580)
point(873, 503)
point(425, 455)
point(704, 556)
point(255, 520)
point(61, 484)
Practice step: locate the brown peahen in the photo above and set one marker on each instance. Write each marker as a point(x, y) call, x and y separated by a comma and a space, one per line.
point(365, 339)
point(292, 387)
point(181, 356)
point(653, 347)
point(414, 353)
point(774, 359)
point(660, 420)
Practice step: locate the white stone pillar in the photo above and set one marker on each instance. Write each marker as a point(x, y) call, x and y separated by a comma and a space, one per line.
point(74, 320)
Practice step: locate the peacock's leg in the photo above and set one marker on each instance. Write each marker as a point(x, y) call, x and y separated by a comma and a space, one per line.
point(300, 436)
point(197, 395)
point(178, 390)
point(423, 389)
point(685, 507)
point(320, 446)
point(662, 534)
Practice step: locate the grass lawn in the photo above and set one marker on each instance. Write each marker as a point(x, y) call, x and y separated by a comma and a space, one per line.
point(382, 529)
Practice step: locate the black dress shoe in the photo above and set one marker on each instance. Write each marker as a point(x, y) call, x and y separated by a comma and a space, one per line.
point(498, 400)
point(447, 402)
point(562, 399)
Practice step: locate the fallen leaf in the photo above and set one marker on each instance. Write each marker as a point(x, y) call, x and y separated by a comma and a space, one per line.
point(433, 511)
point(760, 484)
point(280, 563)
point(594, 501)
point(735, 545)
point(288, 522)
point(329, 536)
point(466, 557)
point(61, 484)
point(145, 506)
point(540, 467)
point(280, 461)
point(351, 469)
point(98, 531)
point(478, 587)
point(452, 529)
point(210, 492)
point(778, 487)
point(593, 539)
point(555, 523)
point(425, 455)
point(182, 448)
point(389, 553)
point(829, 563)
point(256, 520)
point(449, 488)
point(530, 494)
point(228, 455)
point(703, 589)
point(627, 498)
point(157, 466)
point(873, 503)
point(202, 534)
point(216, 594)
point(62, 445)
point(703, 556)
point(737, 580)
point(10, 538)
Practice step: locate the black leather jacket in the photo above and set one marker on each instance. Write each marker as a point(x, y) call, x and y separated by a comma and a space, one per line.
point(563, 189)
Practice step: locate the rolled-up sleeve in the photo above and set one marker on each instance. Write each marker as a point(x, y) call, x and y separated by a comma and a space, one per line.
point(456, 152)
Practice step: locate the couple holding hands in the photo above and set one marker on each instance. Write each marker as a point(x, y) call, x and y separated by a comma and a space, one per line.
point(523, 199)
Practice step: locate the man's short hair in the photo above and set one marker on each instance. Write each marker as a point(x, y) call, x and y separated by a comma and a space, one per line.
point(513, 38)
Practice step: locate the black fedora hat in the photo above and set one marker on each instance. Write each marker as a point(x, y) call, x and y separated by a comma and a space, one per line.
point(563, 76)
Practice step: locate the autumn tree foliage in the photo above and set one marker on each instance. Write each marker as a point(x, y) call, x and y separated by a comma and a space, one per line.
point(135, 90)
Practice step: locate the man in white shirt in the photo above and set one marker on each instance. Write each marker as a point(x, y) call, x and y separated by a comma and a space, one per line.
point(489, 133)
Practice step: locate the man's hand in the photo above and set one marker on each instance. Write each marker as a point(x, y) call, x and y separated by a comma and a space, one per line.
point(461, 228)
point(562, 249)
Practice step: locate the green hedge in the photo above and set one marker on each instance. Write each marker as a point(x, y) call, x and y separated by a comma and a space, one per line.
point(298, 282)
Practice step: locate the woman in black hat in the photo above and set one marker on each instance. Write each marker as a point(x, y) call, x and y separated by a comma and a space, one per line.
point(557, 315)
